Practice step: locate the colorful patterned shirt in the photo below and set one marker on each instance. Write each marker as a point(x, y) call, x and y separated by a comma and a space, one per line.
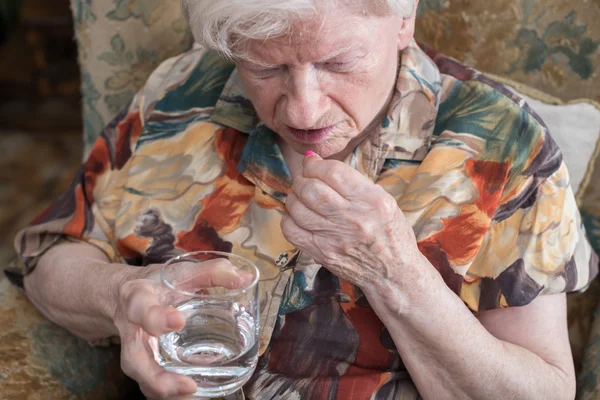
point(187, 166)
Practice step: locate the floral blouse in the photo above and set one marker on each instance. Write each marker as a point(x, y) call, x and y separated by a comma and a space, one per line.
point(187, 166)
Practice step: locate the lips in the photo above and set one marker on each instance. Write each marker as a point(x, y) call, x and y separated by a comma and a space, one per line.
point(310, 135)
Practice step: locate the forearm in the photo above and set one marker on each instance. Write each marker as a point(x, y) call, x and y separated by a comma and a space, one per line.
point(76, 287)
point(449, 354)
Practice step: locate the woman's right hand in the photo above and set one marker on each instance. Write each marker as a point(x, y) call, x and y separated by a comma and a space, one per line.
point(140, 320)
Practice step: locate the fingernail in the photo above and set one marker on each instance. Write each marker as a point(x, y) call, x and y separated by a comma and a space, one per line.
point(173, 320)
point(309, 153)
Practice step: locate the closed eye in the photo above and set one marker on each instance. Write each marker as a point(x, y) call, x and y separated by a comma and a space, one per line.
point(266, 72)
point(339, 66)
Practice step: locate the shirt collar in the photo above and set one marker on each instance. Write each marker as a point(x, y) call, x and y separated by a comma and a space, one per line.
point(234, 108)
point(262, 163)
point(405, 133)
point(408, 127)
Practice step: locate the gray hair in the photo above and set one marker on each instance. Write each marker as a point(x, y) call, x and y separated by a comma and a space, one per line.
point(214, 23)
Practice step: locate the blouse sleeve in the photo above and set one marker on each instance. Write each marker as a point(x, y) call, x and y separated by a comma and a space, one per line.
point(86, 212)
point(536, 242)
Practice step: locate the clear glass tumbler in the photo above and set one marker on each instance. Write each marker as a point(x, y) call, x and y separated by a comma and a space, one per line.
point(218, 295)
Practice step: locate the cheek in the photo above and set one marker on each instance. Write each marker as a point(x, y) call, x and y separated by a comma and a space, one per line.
point(264, 99)
point(352, 100)
point(264, 95)
point(379, 86)
point(347, 89)
point(362, 96)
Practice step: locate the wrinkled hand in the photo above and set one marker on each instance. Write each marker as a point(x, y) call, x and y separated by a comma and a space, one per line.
point(347, 223)
point(141, 318)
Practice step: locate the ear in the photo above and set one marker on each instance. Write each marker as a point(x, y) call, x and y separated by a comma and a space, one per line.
point(407, 29)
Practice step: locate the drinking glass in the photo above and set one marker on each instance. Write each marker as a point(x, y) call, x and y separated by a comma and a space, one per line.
point(218, 295)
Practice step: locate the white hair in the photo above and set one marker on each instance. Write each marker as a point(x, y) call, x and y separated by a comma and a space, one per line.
point(215, 23)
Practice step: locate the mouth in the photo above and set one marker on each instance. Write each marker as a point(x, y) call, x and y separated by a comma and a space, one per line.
point(311, 136)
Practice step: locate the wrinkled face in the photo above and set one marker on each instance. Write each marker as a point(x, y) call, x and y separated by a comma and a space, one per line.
point(326, 84)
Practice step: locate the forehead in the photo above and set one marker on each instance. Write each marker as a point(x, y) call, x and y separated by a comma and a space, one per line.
point(319, 38)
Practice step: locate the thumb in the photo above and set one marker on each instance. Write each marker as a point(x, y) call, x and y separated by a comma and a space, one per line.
point(310, 155)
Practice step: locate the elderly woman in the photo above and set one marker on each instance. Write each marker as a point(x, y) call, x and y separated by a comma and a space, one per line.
point(412, 220)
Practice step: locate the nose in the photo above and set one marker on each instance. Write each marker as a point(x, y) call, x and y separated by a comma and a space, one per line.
point(304, 102)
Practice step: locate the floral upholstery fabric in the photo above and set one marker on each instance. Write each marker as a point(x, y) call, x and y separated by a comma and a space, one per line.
point(120, 43)
point(39, 360)
point(552, 45)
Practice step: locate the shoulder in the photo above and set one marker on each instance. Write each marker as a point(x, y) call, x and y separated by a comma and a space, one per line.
point(192, 80)
point(492, 123)
point(171, 114)
point(179, 96)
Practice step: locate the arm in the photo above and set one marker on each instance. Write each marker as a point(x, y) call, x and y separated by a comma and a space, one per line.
point(357, 231)
point(86, 288)
point(521, 352)
point(75, 286)
point(69, 259)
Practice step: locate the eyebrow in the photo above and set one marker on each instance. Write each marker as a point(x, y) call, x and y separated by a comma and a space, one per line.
point(343, 50)
point(258, 63)
point(331, 55)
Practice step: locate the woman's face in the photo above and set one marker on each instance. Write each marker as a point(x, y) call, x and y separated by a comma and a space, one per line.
point(326, 84)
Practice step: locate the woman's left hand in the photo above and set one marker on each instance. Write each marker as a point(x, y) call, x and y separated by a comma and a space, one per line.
point(348, 223)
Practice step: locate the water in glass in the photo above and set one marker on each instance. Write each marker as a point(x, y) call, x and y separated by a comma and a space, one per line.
point(218, 346)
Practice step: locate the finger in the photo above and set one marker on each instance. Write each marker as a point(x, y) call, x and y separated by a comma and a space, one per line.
point(137, 361)
point(342, 178)
point(143, 309)
point(298, 236)
point(318, 196)
point(212, 273)
point(304, 217)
